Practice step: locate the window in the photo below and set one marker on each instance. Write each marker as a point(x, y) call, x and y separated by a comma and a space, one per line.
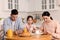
point(16, 4)
point(48, 4)
point(13, 4)
point(51, 4)
point(10, 4)
point(44, 4)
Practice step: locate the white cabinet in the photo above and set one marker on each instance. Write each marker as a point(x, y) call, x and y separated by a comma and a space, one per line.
point(11, 4)
point(48, 5)
point(30, 5)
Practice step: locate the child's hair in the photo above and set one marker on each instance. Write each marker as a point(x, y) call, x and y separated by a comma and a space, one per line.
point(45, 13)
point(29, 17)
point(14, 12)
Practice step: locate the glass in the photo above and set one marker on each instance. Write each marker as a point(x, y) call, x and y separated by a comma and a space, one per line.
point(45, 6)
point(8, 5)
point(52, 1)
point(52, 6)
point(11, 6)
point(8, 0)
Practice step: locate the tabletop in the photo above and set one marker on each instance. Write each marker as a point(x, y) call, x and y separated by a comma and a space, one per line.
point(34, 37)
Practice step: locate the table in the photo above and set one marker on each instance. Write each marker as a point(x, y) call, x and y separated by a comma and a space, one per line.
point(35, 37)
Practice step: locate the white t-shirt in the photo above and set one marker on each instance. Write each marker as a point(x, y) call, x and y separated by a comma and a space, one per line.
point(13, 25)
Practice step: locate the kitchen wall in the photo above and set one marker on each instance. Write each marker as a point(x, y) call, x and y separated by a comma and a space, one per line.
point(29, 7)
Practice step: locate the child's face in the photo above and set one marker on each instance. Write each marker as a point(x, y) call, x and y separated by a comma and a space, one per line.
point(30, 21)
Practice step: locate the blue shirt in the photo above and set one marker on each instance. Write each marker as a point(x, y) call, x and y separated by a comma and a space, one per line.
point(7, 24)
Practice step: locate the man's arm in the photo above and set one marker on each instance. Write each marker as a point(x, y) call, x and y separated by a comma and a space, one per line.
point(20, 27)
point(5, 26)
point(20, 24)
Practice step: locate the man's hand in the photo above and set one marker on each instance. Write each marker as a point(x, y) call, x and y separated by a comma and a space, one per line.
point(18, 32)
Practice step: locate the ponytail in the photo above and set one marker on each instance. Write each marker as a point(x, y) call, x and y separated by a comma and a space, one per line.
point(51, 18)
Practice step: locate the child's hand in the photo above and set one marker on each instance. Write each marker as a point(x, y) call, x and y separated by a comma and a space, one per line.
point(33, 31)
point(45, 33)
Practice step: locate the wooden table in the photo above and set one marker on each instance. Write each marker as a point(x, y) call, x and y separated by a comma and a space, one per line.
point(35, 37)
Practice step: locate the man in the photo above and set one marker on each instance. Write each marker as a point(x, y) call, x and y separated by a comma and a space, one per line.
point(13, 22)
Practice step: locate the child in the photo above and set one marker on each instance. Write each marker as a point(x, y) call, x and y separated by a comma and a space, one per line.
point(29, 25)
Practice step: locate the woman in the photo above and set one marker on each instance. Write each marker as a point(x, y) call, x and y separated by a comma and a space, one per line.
point(29, 25)
point(49, 26)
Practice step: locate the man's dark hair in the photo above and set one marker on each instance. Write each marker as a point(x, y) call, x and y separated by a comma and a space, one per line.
point(29, 17)
point(14, 12)
point(46, 13)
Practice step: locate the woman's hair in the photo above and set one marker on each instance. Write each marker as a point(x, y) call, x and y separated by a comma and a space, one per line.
point(29, 17)
point(51, 18)
point(45, 13)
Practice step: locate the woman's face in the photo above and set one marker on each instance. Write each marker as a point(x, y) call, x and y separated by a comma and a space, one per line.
point(30, 21)
point(46, 18)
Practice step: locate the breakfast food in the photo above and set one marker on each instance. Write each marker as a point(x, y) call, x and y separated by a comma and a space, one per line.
point(25, 33)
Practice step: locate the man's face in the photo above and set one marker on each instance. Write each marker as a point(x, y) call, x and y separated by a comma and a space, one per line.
point(14, 17)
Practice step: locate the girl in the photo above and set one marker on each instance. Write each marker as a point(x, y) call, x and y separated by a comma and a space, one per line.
point(29, 25)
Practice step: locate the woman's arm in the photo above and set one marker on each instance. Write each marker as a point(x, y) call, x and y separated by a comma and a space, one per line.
point(56, 34)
